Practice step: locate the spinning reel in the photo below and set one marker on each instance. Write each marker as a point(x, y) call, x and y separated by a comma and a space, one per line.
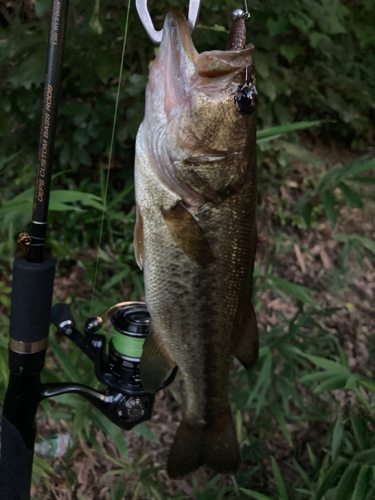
point(124, 401)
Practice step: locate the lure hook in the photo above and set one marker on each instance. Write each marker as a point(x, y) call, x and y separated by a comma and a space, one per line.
point(155, 35)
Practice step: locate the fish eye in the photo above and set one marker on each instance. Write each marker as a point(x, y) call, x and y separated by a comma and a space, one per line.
point(246, 100)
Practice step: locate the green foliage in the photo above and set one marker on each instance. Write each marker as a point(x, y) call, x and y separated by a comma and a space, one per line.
point(314, 63)
point(330, 183)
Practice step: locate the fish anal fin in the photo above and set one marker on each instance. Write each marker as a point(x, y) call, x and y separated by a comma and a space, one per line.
point(138, 242)
point(246, 346)
point(187, 234)
point(155, 366)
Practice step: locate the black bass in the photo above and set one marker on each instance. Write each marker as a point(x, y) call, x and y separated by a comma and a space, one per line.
point(195, 235)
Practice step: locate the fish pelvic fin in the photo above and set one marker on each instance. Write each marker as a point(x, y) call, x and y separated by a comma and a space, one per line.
point(246, 349)
point(213, 444)
point(187, 234)
point(155, 366)
point(138, 241)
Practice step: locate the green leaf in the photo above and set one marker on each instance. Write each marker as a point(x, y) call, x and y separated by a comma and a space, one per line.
point(65, 362)
point(263, 378)
point(95, 24)
point(283, 425)
point(30, 71)
point(327, 364)
point(306, 211)
point(303, 474)
point(338, 432)
point(6, 125)
point(260, 64)
point(368, 384)
point(357, 166)
point(290, 52)
point(103, 423)
point(314, 377)
point(358, 253)
point(345, 254)
point(347, 482)
point(281, 488)
point(42, 6)
point(363, 484)
point(41, 469)
point(316, 37)
point(328, 180)
point(107, 66)
point(332, 476)
point(269, 89)
point(329, 202)
point(271, 133)
point(359, 429)
point(370, 245)
point(350, 195)
point(366, 456)
point(254, 494)
point(65, 196)
point(298, 291)
point(334, 382)
point(145, 432)
point(116, 279)
point(365, 180)
point(313, 460)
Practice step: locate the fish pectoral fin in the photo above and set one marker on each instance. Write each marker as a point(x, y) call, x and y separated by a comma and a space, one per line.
point(247, 345)
point(155, 366)
point(138, 242)
point(187, 235)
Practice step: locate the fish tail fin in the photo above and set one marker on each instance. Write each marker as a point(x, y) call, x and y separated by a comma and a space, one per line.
point(186, 450)
point(220, 446)
point(213, 444)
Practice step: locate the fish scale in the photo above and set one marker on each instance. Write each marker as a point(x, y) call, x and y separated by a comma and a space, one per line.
point(195, 237)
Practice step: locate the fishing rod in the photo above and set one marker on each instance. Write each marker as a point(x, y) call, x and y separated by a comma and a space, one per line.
point(123, 401)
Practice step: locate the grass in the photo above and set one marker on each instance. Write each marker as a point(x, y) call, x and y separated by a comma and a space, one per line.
point(304, 414)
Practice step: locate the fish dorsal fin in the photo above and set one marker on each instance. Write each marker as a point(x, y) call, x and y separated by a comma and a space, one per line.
point(138, 242)
point(187, 234)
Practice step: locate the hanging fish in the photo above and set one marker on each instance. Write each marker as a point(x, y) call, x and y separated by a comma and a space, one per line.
point(195, 234)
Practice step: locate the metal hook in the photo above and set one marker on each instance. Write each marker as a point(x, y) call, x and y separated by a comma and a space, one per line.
point(145, 17)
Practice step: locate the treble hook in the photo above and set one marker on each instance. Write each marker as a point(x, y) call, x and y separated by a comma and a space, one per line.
point(145, 17)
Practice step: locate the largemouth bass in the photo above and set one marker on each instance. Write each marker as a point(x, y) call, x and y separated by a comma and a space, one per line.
point(195, 235)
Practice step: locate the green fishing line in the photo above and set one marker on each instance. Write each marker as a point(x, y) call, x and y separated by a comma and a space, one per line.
point(110, 157)
point(127, 345)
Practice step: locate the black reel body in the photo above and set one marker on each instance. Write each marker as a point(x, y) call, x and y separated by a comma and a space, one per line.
point(125, 402)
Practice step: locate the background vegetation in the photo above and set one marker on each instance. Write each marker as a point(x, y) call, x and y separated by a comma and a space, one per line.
point(305, 414)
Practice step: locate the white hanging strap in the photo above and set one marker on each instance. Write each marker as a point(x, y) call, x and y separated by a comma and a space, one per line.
point(145, 17)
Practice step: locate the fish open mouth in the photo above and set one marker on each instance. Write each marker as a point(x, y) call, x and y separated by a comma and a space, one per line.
point(211, 64)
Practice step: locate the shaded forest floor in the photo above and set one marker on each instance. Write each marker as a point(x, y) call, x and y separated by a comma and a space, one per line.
point(312, 259)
